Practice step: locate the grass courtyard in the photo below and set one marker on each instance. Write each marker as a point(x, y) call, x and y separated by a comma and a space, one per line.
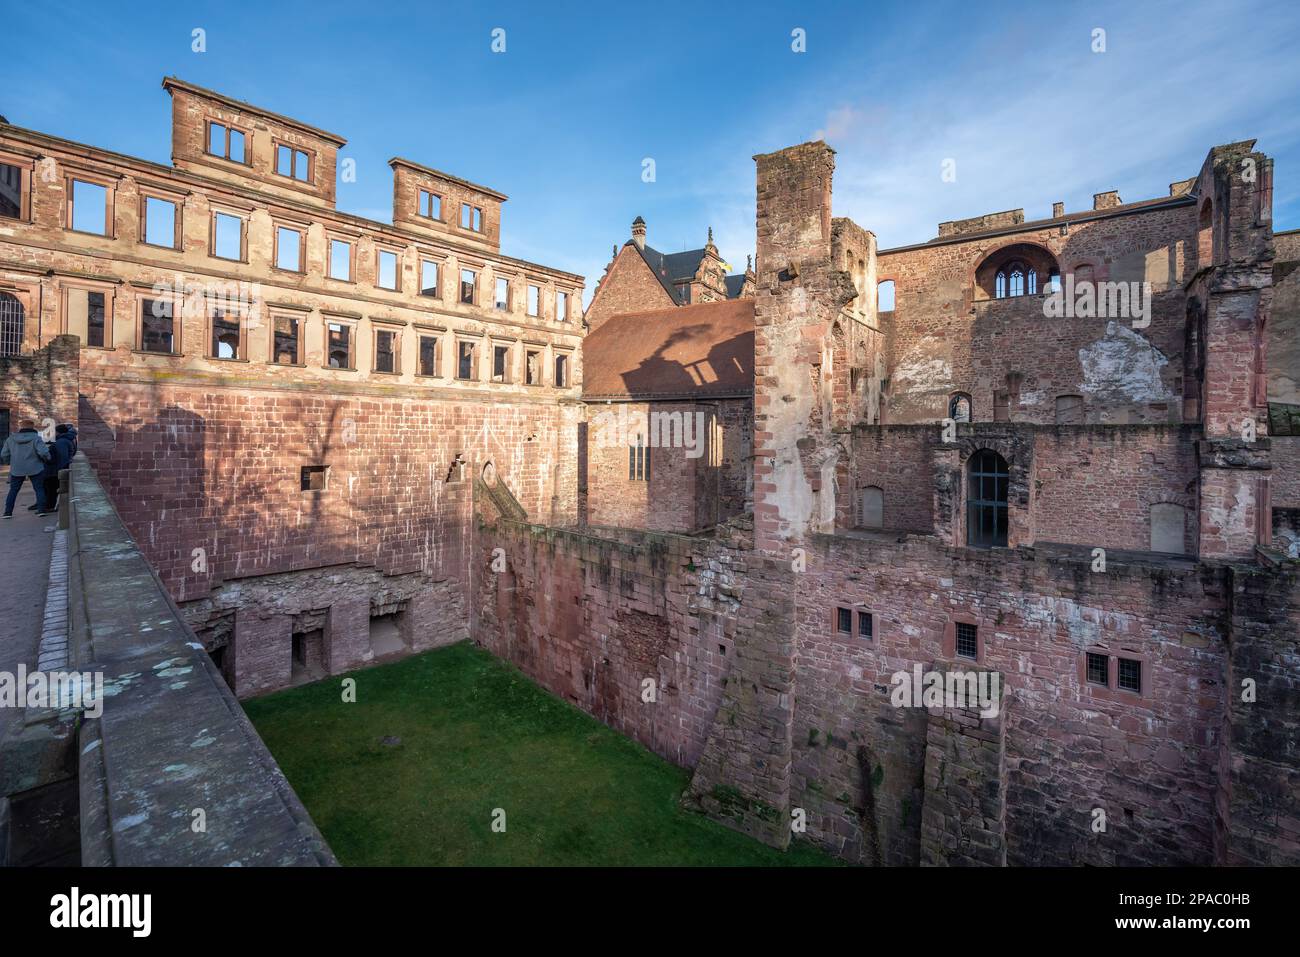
point(477, 736)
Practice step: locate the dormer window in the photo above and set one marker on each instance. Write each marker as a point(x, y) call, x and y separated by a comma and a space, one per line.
point(227, 142)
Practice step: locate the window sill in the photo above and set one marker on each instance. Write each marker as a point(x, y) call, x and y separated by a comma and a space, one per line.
point(172, 249)
point(382, 372)
point(227, 259)
point(161, 355)
point(225, 359)
point(83, 232)
point(289, 365)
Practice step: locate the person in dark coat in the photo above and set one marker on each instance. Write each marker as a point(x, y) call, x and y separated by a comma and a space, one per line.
point(26, 453)
point(61, 451)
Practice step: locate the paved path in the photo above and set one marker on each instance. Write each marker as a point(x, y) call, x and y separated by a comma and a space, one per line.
point(24, 573)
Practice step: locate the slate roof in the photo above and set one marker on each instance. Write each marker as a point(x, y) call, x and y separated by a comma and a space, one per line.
point(671, 268)
point(684, 352)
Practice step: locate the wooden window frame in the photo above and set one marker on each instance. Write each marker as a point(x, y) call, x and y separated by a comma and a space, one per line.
point(301, 338)
point(396, 331)
point(243, 217)
point(178, 323)
point(1111, 691)
point(294, 150)
point(210, 122)
point(70, 179)
point(26, 167)
point(276, 226)
point(108, 290)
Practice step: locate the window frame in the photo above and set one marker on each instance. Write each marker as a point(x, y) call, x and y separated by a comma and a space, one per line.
point(177, 317)
point(507, 376)
point(384, 328)
point(474, 370)
point(210, 122)
point(276, 227)
point(561, 317)
point(396, 253)
point(351, 243)
point(558, 357)
point(351, 325)
point(1111, 690)
point(177, 201)
point(243, 218)
point(460, 286)
point(25, 167)
point(437, 264)
point(299, 337)
point(532, 310)
point(539, 350)
point(420, 193)
point(983, 631)
point(107, 183)
point(638, 460)
point(278, 144)
point(241, 351)
point(498, 305)
point(436, 336)
point(974, 506)
point(107, 291)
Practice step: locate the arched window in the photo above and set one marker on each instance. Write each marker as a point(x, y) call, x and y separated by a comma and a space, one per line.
point(885, 296)
point(1016, 279)
point(959, 407)
point(11, 325)
point(986, 500)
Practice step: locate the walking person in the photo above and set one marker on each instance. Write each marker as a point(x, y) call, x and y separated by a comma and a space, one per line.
point(61, 452)
point(26, 453)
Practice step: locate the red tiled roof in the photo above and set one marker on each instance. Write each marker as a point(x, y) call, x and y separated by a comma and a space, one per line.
point(698, 351)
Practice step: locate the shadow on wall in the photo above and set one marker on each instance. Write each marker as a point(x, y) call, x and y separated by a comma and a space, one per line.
point(728, 363)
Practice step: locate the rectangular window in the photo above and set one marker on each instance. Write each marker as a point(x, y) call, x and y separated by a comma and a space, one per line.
point(160, 222)
point(340, 260)
point(226, 142)
point(471, 217)
point(386, 351)
point(865, 625)
point(967, 640)
point(428, 278)
point(292, 163)
point(532, 367)
point(1099, 669)
point(534, 300)
point(288, 249)
point(502, 294)
point(157, 326)
point(638, 461)
point(430, 205)
point(226, 336)
point(429, 355)
point(11, 191)
point(561, 372)
point(89, 212)
point(286, 347)
point(500, 363)
point(468, 282)
point(340, 345)
point(313, 477)
point(561, 306)
point(86, 315)
point(96, 323)
point(227, 237)
point(465, 360)
point(386, 270)
point(844, 621)
point(1129, 675)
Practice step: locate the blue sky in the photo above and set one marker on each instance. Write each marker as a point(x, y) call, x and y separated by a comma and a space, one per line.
point(562, 121)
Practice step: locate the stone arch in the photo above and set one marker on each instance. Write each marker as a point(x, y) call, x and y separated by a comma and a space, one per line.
point(994, 275)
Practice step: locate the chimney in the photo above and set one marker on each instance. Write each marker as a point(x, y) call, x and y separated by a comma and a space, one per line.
point(638, 232)
point(1107, 200)
point(1058, 210)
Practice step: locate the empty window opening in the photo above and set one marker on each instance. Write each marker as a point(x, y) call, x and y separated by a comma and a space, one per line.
point(226, 142)
point(471, 217)
point(292, 163)
point(1098, 669)
point(986, 502)
point(865, 625)
point(428, 355)
point(287, 344)
point(465, 355)
point(308, 656)
point(1168, 528)
point(157, 326)
point(386, 635)
point(314, 478)
point(968, 644)
point(225, 336)
point(534, 300)
point(501, 300)
point(638, 461)
point(1129, 675)
point(11, 191)
point(500, 363)
point(885, 296)
point(561, 372)
point(341, 260)
point(561, 307)
point(959, 407)
point(430, 205)
point(873, 507)
point(288, 249)
point(532, 367)
point(428, 278)
point(89, 212)
point(386, 270)
point(227, 236)
point(386, 351)
point(340, 345)
point(159, 222)
point(468, 283)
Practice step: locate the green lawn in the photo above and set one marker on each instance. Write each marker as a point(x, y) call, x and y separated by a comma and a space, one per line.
point(477, 735)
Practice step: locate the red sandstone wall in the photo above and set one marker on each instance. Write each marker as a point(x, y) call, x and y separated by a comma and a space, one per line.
point(42, 386)
point(628, 286)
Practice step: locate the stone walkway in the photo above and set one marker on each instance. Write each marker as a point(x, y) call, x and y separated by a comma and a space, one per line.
point(24, 576)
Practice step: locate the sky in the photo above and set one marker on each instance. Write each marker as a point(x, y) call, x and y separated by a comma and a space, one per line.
point(1015, 99)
